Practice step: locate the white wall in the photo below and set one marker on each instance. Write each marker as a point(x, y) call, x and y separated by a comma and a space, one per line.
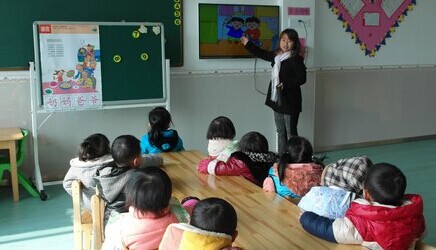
point(359, 106)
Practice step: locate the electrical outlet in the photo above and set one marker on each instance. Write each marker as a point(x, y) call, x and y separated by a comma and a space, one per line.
point(306, 22)
point(293, 23)
point(298, 22)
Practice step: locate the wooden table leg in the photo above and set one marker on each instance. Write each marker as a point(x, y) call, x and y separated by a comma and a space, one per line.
point(14, 174)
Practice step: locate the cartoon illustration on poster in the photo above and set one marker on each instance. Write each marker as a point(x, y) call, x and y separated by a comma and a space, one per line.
point(70, 66)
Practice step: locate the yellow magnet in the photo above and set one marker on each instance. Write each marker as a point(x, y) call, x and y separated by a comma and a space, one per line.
point(117, 58)
point(144, 56)
point(136, 34)
point(177, 13)
point(177, 21)
point(177, 6)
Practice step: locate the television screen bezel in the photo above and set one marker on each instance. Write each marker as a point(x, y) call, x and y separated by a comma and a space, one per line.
point(221, 4)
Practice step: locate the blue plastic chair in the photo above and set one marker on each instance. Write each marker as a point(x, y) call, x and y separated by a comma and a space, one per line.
point(5, 165)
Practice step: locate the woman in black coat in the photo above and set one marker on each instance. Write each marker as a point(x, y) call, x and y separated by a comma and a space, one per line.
point(284, 92)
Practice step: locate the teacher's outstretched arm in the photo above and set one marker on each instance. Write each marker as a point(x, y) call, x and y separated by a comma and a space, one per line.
point(256, 51)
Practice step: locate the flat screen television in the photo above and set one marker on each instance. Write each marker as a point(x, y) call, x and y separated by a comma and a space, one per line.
point(222, 25)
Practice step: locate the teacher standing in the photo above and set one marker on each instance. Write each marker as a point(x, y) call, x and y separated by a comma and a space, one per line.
point(284, 92)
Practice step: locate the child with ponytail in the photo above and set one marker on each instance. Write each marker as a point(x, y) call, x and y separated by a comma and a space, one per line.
point(160, 138)
point(296, 173)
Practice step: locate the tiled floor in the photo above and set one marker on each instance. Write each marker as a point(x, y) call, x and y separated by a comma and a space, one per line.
point(32, 223)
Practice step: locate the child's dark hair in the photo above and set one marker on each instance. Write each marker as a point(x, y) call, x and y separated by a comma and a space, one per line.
point(149, 190)
point(216, 215)
point(293, 36)
point(235, 18)
point(160, 120)
point(252, 19)
point(125, 149)
point(386, 184)
point(253, 142)
point(299, 150)
point(94, 146)
point(221, 127)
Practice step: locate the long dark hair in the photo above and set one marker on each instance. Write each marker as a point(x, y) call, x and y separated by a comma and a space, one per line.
point(94, 146)
point(293, 36)
point(160, 120)
point(299, 150)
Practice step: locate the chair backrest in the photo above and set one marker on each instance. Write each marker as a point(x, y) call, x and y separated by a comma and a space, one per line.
point(22, 147)
point(88, 228)
point(82, 221)
point(97, 206)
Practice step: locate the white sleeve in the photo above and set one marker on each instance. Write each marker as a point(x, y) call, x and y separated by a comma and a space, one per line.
point(211, 167)
point(345, 232)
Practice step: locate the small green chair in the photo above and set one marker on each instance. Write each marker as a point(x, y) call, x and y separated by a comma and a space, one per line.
point(21, 152)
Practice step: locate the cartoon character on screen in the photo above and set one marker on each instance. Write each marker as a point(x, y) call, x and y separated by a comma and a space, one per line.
point(235, 32)
point(253, 32)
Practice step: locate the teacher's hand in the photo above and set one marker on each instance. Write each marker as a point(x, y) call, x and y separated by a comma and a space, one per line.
point(244, 40)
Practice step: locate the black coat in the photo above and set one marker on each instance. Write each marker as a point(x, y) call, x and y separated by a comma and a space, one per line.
point(292, 74)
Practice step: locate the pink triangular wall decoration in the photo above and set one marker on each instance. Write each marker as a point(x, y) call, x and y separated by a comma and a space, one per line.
point(370, 22)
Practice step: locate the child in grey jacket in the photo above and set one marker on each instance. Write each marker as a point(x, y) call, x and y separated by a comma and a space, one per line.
point(112, 176)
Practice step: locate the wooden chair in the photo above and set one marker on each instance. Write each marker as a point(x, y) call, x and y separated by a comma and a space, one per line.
point(97, 206)
point(88, 228)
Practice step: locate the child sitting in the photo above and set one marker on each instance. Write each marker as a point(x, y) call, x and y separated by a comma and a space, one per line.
point(385, 218)
point(341, 182)
point(151, 210)
point(94, 151)
point(252, 160)
point(160, 138)
point(112, 176)
point(296, 173)
point(221, 145)
point(212, 226)
point(220, 135)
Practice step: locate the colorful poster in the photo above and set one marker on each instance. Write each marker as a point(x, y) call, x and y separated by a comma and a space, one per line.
point(70, 66)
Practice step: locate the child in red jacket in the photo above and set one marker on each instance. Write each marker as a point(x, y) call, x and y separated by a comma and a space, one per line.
point(385, 218)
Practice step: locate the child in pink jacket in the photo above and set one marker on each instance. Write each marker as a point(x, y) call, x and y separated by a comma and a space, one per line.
point(296, 173)
point(151, 210)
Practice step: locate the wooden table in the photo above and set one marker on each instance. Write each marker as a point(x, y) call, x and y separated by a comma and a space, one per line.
point(8, 136)
point(265, 220)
